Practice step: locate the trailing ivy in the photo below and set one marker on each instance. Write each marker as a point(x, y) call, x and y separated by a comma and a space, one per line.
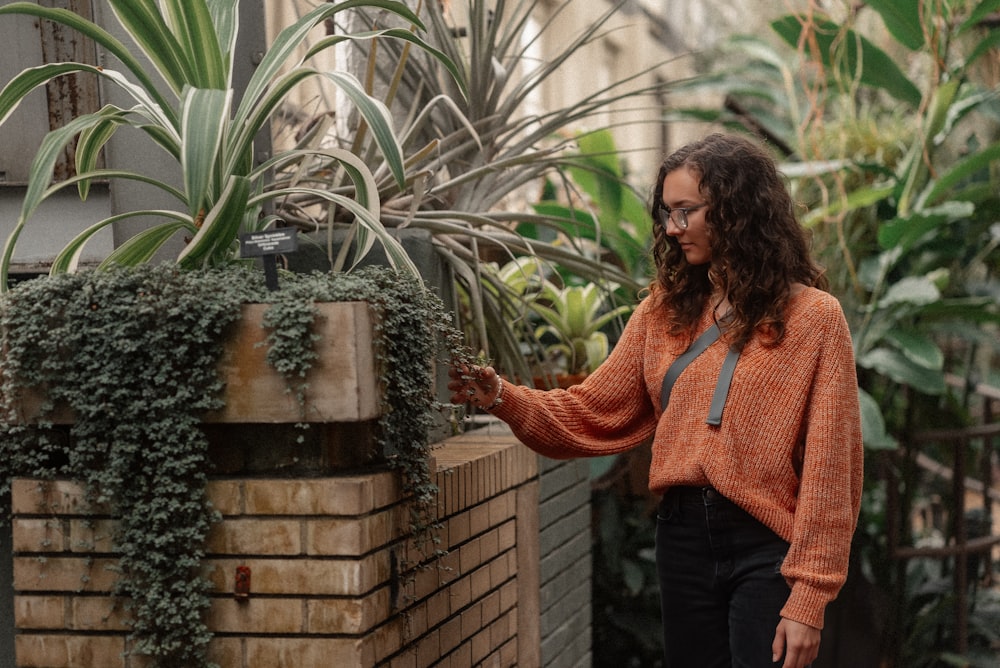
point(412, 327)
point(134, 353)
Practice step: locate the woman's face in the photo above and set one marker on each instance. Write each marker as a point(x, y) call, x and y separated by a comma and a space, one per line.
point(680, 190)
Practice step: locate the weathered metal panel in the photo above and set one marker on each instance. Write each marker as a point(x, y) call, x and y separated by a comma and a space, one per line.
point(74, 95)
point(28, 42)
point(20, 136)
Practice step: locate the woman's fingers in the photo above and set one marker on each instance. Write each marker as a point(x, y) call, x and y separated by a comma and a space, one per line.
point(472, 384)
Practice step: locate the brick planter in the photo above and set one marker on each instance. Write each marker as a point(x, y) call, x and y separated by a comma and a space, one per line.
point(328, 585)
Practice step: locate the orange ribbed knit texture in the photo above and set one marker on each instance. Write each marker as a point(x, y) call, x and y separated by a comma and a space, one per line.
point(788, 450)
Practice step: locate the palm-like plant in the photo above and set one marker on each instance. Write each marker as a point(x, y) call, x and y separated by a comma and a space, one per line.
point(471, 158)
point(191, 46)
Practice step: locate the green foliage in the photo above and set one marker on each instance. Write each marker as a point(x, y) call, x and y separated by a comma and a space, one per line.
point(932, 632)
point(902, 198)
point(891, 143)
point(471, 158)
point(850, 55)
point(574, 315)
point(603, 207)
point(561, 324)
point(191, 45)
point(137, 364)
point(461, 151)
point(134, 354)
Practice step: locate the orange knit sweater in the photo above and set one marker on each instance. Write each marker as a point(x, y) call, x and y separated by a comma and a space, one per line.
point(788, 450)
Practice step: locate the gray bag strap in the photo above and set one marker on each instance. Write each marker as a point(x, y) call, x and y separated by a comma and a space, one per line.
point(707, 338)
point(722, 387)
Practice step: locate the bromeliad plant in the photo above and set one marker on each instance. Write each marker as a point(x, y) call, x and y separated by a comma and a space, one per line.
point(191, 45)
point(560, 323)
point(573, 315)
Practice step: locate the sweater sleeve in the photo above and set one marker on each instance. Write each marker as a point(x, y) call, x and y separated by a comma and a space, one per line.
point(829, 495)
point(610, 411)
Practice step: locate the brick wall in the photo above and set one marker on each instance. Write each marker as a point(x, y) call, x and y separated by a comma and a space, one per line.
point(327, 588)
point(565, 564)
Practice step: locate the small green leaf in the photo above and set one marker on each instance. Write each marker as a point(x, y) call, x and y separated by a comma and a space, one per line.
point(902, 19)
point(899, 368)
point(917, 347)
point(873, 429)
point(916, 290)
point(217, 234)
point(204, 124)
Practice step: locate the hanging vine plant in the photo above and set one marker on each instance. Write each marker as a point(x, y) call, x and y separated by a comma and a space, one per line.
point(412, 326)
point(134, 354)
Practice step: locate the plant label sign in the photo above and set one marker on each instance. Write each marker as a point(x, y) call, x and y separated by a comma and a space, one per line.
point(266, 245)
point(270, 242)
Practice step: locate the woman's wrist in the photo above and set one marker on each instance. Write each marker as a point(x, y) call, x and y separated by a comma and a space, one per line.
point(498, 399)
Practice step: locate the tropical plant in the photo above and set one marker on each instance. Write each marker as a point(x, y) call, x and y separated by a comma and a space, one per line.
point(930, 636)
point(560, 325)
point(591, 198)
point(193, 116)
point(897, 165)
point(573, 315)
point(474, 162)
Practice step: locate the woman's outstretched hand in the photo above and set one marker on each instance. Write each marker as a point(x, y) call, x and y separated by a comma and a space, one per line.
point(477, 385)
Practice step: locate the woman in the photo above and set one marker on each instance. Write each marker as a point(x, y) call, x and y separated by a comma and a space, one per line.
point(756, 445)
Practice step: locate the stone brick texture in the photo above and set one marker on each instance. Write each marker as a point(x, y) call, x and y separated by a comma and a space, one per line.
point(335, 578)
point(565, 563)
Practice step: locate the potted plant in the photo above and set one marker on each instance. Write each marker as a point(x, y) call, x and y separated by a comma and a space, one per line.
point(462, 158)
point(474, 158)
point(573, 315)
point(561, 324)
point(133, 351)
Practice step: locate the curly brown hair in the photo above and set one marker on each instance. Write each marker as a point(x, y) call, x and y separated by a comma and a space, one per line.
point(759, 249)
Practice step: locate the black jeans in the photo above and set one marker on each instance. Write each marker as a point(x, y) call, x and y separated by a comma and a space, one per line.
point(721, 590)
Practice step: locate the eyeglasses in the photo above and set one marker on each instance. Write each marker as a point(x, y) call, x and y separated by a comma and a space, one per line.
point(680, 216)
